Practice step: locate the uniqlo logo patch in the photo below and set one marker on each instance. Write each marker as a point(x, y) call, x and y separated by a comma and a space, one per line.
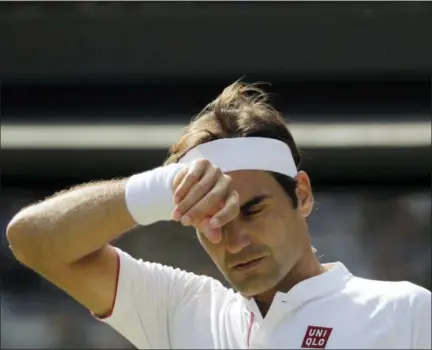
point(316, 337)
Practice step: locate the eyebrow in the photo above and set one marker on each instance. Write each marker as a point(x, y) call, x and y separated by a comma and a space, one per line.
point(253, 201)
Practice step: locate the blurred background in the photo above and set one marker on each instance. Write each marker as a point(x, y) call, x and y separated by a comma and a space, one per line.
point(100, 90)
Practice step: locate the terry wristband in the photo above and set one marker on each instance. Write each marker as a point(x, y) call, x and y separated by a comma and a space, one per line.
point(149, 195)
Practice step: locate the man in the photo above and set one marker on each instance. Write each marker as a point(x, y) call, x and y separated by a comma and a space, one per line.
point(234, 177)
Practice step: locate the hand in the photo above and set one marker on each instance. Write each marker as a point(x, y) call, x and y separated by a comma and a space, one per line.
point(204, 199)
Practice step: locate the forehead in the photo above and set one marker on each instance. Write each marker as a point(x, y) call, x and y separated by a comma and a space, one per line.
point(253, 182)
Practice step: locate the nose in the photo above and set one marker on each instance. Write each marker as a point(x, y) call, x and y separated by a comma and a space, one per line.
point(236, 237)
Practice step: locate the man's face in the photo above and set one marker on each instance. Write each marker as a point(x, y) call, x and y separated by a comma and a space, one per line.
point(268, 228)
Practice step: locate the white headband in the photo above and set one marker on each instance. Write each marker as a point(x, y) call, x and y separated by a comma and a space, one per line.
point(245, 153)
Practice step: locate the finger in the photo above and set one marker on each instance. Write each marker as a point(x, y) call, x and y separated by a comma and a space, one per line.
point(209, 204)
point(179, 177)
point(199, 190)
point(228, 213)
point(193, 175)
point(213, 235)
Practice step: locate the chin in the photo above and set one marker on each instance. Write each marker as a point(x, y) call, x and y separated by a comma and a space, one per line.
point(254, 286)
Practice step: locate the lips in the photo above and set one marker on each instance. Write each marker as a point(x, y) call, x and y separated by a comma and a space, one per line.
point(247, 264)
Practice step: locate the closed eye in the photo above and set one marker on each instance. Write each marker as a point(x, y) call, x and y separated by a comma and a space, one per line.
point(250, 212)
point(253, 206)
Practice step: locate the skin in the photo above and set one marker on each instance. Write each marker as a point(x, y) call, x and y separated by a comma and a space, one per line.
point(266, 226)
point(66, 238)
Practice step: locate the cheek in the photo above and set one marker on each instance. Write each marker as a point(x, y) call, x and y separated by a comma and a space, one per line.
point(276, 230)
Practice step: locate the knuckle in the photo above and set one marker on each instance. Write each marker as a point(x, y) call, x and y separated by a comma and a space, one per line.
point(179, 178)
point(217, 170)
point(232, 207)
point(228, 180)
point(193, 174)
point(202, 163)
point(236, 198)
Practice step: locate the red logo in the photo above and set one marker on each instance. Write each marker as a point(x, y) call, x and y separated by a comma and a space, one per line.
point(316, 337)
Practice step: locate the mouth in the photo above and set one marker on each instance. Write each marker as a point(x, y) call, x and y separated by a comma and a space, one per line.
point(248, 265)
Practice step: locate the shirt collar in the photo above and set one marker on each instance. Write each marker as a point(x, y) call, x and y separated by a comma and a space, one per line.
point(315, 287)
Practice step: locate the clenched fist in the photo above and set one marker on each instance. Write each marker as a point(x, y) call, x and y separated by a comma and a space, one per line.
point(205, 199)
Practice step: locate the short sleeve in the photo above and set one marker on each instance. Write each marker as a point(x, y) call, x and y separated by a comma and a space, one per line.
point(147, 298)
point(421, 324)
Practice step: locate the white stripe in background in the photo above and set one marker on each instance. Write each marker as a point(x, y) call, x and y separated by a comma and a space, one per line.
point(153, 136)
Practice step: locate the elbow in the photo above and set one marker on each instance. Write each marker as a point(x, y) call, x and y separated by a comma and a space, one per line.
point(21, 238)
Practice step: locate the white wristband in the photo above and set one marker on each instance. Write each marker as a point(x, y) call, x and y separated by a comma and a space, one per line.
point(149, 195)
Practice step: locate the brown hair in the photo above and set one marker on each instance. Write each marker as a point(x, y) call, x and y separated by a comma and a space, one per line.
point(241, 110)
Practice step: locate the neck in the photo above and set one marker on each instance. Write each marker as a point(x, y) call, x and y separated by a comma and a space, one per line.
point(308, 266)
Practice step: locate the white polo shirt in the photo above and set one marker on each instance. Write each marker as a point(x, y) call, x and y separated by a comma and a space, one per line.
point(158, 307)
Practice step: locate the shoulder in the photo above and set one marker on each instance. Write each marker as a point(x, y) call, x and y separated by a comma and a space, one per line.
point(391, 290)
point(400, 310)
point(401, 297)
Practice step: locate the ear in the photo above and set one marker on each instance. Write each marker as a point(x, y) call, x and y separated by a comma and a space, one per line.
point(304, 194)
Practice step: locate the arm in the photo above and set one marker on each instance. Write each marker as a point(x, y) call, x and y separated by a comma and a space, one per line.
point(65, 238)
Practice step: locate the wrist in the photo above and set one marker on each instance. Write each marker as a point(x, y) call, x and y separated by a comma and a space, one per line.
point(149, 195)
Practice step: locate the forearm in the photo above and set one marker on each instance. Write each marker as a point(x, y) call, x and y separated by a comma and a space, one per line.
point(71, 224)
